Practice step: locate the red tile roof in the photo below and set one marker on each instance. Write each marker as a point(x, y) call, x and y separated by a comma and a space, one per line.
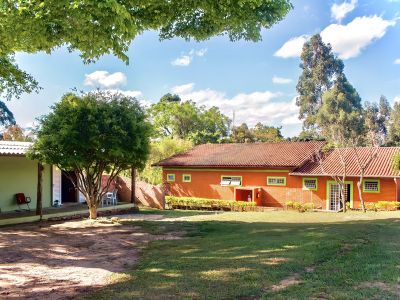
point(381, 165)
point(273, 155)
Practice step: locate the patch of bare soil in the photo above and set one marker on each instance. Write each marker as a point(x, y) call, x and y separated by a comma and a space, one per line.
point(61, 260)
point(384, 287)
point(285, 283)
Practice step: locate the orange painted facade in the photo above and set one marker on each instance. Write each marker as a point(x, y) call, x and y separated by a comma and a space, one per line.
point(206, 183)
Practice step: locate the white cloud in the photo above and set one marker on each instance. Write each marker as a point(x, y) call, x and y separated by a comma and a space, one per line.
point(396, 99)
point(185, 59)
point(292, 48)
point(182, 61)
point(128, 93)
point(182, 89)
point(249, 107)
point(281, 80)
point(104, 79)
point(339, 11)
point(397, 61)
point(348, 40)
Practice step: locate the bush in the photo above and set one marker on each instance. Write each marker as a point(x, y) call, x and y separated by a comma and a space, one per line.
point(209, 204)
point(387, 205)
point(289, 204)
point(308, 206)
point(383, 205)
point(298, 206)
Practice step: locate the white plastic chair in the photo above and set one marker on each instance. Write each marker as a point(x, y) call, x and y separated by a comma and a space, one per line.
point(111, 197)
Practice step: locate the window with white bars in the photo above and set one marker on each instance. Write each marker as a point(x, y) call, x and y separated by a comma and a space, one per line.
point(280, 181)
point(371, 186)
point(231, 180)
point(310, 184)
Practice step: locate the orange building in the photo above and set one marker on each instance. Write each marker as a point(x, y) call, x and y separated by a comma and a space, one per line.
point(271, 174)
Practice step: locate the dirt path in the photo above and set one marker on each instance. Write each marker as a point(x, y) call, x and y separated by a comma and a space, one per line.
point(60, 260)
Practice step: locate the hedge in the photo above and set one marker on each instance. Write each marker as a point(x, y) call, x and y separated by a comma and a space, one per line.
point(208, 204)
point(383, 205)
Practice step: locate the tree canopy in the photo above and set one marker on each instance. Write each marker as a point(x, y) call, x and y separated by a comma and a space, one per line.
point(174, 118)
point(94, 134)
point(320, 69)
point(6, 116)
point(16, 133)
point(340, 117)
point(96, 28)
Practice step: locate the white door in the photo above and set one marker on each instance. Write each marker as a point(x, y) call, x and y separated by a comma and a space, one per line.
point(335, 202)
point(56, 185)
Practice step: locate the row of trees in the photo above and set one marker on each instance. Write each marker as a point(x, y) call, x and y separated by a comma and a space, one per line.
point(177, 119)
point(331, 108)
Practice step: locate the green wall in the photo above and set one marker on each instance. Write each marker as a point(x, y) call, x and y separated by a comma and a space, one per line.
point(19, 175)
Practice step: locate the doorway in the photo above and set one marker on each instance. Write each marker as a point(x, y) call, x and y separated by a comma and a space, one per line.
point(335, 202)
point(68, 191)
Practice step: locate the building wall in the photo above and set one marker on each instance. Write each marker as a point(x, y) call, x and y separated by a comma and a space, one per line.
point(19, 175)
point(206, 184)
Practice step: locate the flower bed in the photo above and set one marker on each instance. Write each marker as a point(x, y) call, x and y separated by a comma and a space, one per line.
point(173, 202)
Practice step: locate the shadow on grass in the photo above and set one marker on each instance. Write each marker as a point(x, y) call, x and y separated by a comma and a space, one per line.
point(235, 260)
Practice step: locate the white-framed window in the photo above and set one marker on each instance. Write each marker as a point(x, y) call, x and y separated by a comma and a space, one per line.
point(231, 180)
point(278, 181)
point(310, 184)
point(170, 177)
point(186, 178)
point(371, 186)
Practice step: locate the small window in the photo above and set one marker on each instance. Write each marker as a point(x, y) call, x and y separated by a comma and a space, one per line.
point(281, 181)
point(231, 180)
point(371, 186)
point(187, 178)
point(310, 184)
point(170, 177)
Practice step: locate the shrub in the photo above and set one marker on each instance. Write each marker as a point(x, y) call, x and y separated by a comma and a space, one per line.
point(387, 205)
point(297, 205)
point(289, 204)
point(371, 206)
point(308, 206)
point(203, 203)
point(383, 205)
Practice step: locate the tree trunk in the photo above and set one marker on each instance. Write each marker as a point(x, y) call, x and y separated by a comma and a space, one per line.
point(93, 212)
point(133, 186)
point(39, 200)
point(359, 187)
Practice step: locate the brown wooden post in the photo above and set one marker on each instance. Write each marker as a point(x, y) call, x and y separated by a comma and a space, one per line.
point(133, 185)
point(39, 200)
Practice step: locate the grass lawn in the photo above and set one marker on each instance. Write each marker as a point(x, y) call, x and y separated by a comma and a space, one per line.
point(279, 255)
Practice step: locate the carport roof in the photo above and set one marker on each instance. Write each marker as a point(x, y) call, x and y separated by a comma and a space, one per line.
point(14, 148)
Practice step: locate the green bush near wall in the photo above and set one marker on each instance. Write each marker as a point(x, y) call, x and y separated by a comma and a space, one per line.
point(383, 206)
point(173, 202)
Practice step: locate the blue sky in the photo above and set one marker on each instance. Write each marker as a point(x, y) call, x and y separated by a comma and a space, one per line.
point(256, 80)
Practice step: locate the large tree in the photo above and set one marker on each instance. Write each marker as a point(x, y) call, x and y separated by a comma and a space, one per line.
point(264, 133)
point(178, 119)
point(96, 28)
point(376, 118)
point(241, 134)
point(16, 133)
point(320, 69)
point(340, 120)
point(394, 126)
point(6, 116)
point(91, 135)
